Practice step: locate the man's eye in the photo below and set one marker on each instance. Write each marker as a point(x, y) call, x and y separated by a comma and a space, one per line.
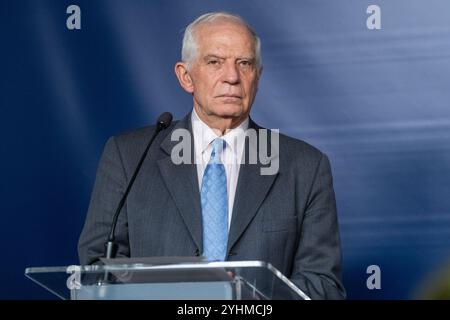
point(246, 63)
point(213, 62)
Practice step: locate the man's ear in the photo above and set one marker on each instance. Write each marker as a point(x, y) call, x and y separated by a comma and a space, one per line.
point(183, 77)
point(260, 72)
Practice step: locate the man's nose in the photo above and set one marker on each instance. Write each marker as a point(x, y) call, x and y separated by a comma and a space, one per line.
point(231, 73)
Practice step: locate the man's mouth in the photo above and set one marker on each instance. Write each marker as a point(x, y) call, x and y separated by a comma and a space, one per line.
point(229, 96)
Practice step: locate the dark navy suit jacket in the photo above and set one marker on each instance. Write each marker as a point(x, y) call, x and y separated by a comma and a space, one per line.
point(287, 219)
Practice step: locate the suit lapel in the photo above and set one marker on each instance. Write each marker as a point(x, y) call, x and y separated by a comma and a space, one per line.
point(182, 183)
point(251, 190)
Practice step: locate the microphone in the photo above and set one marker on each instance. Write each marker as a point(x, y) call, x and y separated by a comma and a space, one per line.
point(164, 121)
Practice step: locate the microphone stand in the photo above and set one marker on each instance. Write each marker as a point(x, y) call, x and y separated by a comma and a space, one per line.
point(111, 246)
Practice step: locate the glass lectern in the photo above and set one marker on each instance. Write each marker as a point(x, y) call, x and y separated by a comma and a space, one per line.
point(130, 279)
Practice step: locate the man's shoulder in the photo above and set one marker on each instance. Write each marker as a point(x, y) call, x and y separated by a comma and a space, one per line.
point(296, 153)
point(136, 135)
point(294, 146)
point(299, 146)
point(291, 148)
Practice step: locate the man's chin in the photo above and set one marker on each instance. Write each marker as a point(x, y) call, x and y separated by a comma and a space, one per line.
point(229, 111)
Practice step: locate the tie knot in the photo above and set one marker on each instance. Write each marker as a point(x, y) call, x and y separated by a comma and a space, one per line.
point(218, 146)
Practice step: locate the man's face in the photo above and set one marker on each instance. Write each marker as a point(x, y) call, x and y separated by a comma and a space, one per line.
point(224, 73)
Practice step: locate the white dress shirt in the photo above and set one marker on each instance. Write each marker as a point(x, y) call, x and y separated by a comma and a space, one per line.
point(231, 155)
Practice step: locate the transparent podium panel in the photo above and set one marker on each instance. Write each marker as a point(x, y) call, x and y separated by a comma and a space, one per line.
point(129, 279)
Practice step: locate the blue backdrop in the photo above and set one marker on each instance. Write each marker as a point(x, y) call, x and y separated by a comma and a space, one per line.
point(376, 101)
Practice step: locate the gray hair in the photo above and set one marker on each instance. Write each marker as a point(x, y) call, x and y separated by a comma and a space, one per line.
point(189, 48)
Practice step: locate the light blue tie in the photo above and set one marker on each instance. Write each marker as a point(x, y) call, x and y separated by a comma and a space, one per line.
point(215, 206)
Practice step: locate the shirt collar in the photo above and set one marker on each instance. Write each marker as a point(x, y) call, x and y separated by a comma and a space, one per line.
point(204, 134)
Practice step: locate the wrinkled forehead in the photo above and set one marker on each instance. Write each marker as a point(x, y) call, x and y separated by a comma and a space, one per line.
point(224, 35)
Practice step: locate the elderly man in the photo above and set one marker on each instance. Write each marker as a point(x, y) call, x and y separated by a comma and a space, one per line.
point(220, 206)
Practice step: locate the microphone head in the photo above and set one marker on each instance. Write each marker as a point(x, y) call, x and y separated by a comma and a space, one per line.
point(164, 120)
